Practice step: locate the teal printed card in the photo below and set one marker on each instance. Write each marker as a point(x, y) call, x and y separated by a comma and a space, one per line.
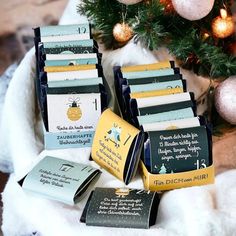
point(75, 83)
point(65, 140)
point(165, 116)
point(174, 151)
point(77, 43)
point(82, 61)
point(73, 112)
point(72, 75)
point(156, 86)
point(150, 73)
point(60, 180)
point(59, 30)
point(68, 47)
point(70, 56)
point(61, 38)
point(122, 207)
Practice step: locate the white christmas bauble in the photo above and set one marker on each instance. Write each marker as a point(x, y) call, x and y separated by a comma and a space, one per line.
point(225, 99)
point(193, 9)
point(129, 2)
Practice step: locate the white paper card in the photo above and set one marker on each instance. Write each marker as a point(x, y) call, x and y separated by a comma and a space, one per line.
point(172, 124)
point(161, 100)
point(73, 112)
point(72, 75)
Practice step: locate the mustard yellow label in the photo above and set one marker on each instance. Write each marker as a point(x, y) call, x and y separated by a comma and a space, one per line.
point(154, 66)
point(112, 141)
point(159, 182)
point(69, 68)
point(154, 93)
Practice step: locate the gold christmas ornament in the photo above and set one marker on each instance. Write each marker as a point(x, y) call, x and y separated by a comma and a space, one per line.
point(129, 2)
point(74, 112)
point(223, 25)
point(122, 32)
point(193, 9)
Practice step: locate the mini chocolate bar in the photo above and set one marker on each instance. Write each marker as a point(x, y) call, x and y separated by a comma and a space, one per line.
point(121, 207)
point(117, 146)
point(178, 150)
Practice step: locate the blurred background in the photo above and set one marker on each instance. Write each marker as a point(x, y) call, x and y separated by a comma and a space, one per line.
point(17, 18)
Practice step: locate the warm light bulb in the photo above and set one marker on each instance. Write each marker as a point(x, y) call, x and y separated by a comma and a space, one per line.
point(223, 13)
point(223, 25)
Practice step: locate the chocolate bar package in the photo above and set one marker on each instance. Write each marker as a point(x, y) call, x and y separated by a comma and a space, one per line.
point(60, 180)
point(146, 67)
point(117, 146)
point(173, 114)
point(155, 79)
point(57, 31)
point(162, 108)
point(121, 207)
point(145, 87)
point(79, 107)
point(140, 91)
point(178, 148)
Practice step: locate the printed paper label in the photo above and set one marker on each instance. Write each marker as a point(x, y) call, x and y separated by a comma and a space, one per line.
point(120, 207)
point(165, 116)
point(112, 142)
point(151, 73)
point(59, 30)
point(73, 112)
point(58, 179)
point(179, 150)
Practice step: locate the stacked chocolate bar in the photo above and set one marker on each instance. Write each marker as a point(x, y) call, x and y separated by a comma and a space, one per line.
point(69, 84)
point(153, 97)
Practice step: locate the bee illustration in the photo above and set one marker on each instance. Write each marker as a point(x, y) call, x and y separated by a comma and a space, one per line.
point(74, 112)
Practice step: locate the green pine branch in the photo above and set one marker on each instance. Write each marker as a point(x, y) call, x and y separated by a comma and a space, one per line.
point(154, 28)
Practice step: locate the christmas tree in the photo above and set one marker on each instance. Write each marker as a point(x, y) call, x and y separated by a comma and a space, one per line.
point(198, 33)
point(162, 169)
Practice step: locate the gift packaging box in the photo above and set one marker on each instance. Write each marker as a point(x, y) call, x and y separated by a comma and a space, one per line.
point(69, 84)
point(177, 147)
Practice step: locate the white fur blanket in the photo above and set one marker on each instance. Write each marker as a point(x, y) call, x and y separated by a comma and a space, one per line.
point(201, 211)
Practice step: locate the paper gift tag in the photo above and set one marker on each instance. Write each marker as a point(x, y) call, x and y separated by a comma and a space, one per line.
point(117, 146)
point(60, 180)
point(121, 207)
